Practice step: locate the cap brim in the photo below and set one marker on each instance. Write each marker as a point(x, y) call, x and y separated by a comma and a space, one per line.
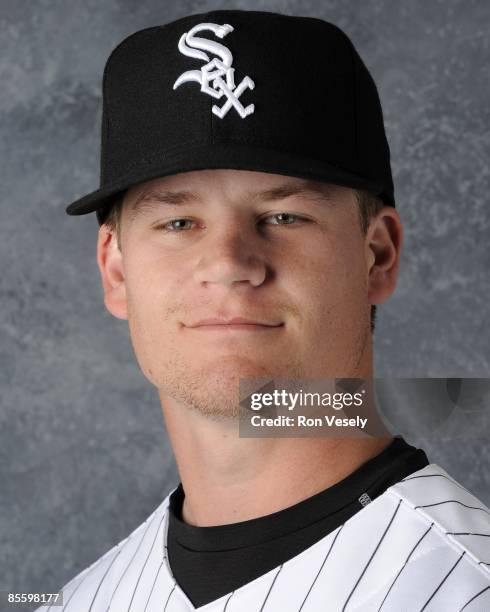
point(226, 156)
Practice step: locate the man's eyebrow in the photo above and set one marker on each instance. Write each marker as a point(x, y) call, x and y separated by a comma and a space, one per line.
point(152, 198)
point(311, 189)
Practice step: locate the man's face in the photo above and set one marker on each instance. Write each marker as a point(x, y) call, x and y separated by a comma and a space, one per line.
point(231, 243)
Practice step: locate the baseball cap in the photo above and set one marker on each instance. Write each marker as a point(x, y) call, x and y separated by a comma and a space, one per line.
point(236, 89)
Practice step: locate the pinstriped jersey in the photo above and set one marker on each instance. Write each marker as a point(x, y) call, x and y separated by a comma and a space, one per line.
point(422, 545)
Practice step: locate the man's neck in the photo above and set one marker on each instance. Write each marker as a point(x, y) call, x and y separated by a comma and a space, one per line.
point(227, 479)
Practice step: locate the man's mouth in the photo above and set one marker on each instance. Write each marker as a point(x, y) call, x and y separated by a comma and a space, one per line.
point(234, 323)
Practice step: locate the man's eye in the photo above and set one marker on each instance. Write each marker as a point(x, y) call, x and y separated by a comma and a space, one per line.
point(175, 225)
point(284, 218)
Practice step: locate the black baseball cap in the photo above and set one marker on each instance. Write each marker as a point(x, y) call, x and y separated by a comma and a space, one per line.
point(247, 90)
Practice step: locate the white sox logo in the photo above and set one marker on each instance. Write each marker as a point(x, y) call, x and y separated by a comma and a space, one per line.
point(210, 75)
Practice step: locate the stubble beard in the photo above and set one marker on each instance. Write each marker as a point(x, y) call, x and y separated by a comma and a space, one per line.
point(213, 389)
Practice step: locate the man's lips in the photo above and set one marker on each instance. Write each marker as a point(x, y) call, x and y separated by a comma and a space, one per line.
point(238, 323)
point(248, 327)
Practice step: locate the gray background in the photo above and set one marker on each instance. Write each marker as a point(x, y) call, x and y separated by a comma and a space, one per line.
point(84, 456)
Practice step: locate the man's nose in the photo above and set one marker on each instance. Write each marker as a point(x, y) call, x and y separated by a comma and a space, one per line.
point(231, 253)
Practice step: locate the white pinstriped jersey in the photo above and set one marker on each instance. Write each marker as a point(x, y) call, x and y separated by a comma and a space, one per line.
point(423, 545)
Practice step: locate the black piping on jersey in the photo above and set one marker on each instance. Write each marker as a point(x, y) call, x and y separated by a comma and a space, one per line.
point(442, 582)
point(227, 601)
point(145, 563)
point(153, 585)
point(372, 556)
point(270, 588)
point(404, 565)
point(134, 555)
point(474, 597)
point(168, 598)
point(483, 535)
point(435, 476)
point(321, 567)
point(452, 501)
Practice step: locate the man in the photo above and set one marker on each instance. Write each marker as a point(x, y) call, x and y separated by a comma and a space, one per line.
point(247, 231)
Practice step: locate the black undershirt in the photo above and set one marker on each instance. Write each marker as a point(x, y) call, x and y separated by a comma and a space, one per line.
point(209, 562)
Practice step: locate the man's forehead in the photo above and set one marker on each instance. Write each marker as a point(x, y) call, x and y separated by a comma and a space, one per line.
point(201, 184)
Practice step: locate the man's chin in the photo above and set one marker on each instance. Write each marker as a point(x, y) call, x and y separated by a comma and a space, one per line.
point(214, 401)
point(211, 386)
point(215, 392)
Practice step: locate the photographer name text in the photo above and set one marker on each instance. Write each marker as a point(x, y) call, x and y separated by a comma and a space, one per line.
point(301, 420)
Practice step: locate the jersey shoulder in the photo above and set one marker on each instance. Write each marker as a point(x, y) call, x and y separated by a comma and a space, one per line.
point(95, 587)
point(422, 543)
point(458, 516)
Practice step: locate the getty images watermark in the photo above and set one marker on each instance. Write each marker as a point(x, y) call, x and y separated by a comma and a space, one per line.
point(357, 407)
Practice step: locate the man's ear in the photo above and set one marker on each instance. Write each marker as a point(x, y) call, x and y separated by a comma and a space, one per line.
point(384, 241)
point(109, 260)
